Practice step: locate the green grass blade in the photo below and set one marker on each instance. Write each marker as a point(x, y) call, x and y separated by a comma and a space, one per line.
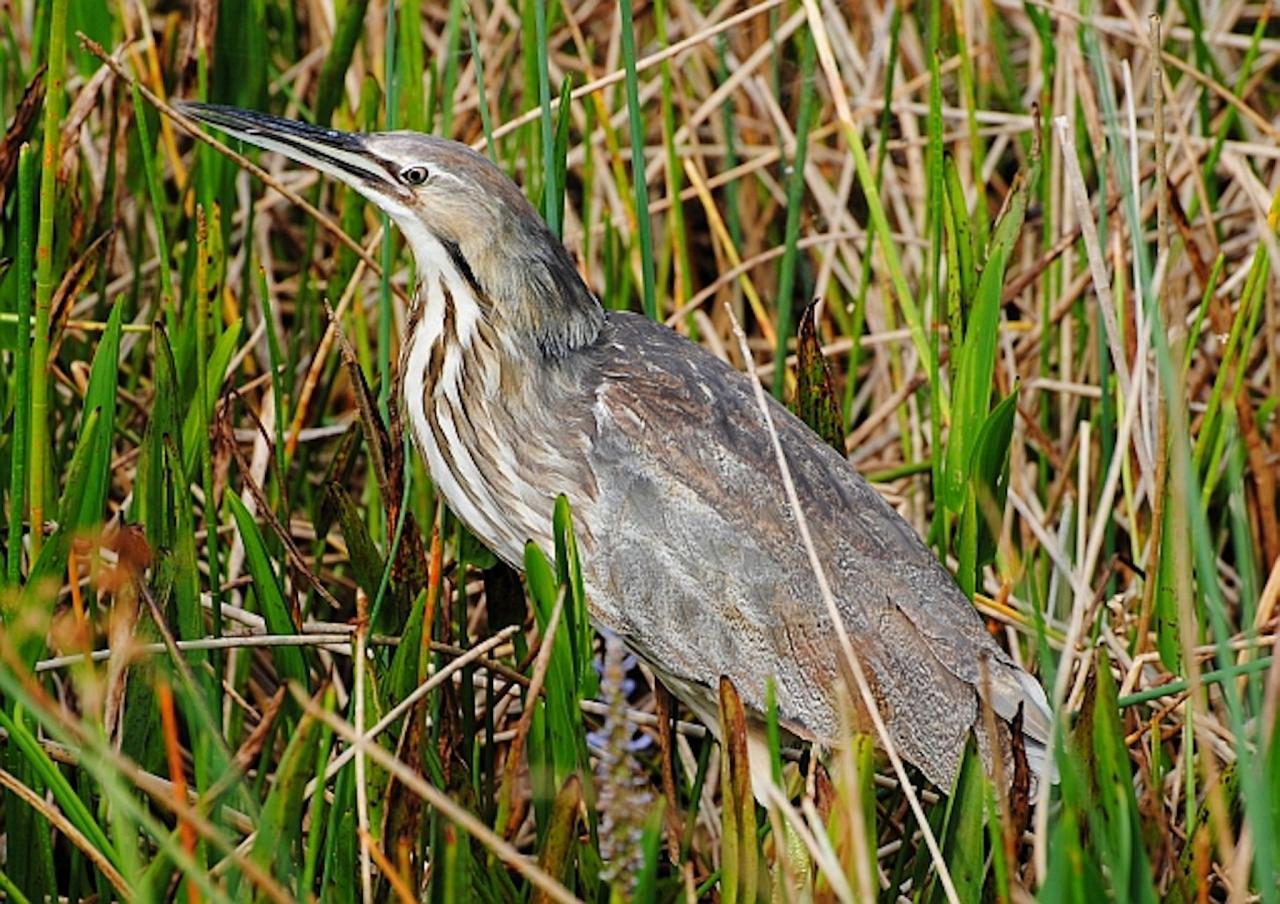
point(195, 425)
point(975, 362)
point(795, 204)
point(560, 148)
point(452, 54)
point(151, 172)
point(885, 240)
point(561, 837)
point(22, 387)
point(648, 286)
point(550, 187)
point(985, 497)
point(337, 60)
point(412, 104)
point(270, 600)
point(68, 801)
point(963, 836)
point(278, 844)
point(101, 396)
point(55, 101)
point(52, 561)
point(486, 118)
point(679, 236)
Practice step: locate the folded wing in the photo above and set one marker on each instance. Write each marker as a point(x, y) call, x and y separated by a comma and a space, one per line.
point(699, 566)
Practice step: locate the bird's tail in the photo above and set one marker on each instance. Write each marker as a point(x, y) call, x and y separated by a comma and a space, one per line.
point(1037, 729)
point(1012, 689)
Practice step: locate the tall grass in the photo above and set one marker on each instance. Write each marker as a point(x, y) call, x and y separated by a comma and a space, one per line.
point(246, 652)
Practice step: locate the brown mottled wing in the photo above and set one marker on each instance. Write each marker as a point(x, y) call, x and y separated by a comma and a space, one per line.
point(697, 563)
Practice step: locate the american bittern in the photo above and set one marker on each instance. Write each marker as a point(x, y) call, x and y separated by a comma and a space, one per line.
point(519, 387)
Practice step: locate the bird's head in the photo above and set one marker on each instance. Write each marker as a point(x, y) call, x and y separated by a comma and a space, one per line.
point(456, 210)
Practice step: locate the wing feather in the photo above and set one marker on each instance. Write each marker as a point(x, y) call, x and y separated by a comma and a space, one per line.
point(691, 510)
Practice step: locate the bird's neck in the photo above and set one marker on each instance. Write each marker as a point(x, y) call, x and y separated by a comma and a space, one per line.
point(479, 387)
point(452, 369)
point(520, 312)
point(535, 290)
point(529, 291)
point(452, 337)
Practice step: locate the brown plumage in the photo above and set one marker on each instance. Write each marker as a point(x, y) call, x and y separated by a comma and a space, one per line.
point(520, 387)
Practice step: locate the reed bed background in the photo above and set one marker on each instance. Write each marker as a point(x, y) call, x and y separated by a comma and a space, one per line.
point(1041, 238)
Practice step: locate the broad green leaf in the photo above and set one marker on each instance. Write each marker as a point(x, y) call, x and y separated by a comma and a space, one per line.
point(739, 850)
point(967, 544)
point(557, 738)
point(271, 601)
point(985, 495)
point(552, 748)
point(101, 396)
point(339, 471)
point(215, 371)
point(561, 836)
point(186, 577)
point(540, 581)
point(341, 878)
point(337, 61)
point(152, 506)
point(1073, 877)
point(964, 243)
point(975, 363)
point(51, 565)
point(367, 564)
point(404, 674)
point(569, 573)
point(473, 551)
point(963, 838)
point(278, 844)
point(1113, 817)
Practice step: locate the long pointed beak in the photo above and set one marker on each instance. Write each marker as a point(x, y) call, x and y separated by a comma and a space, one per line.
point(342, 155)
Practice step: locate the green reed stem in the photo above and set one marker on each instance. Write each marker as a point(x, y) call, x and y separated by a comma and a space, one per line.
point(893, 261)
point(795, 203)
point(152, 175)
point(643, 225)
point(51, 153)
point(22, 403)
point(682, 288)
point(12, 891)
point(388, 240)
point(203, 292)
point(452, 56)
point(550, 191)
point(486, 121)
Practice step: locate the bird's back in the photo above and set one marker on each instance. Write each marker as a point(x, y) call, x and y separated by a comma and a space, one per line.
point(695, 560)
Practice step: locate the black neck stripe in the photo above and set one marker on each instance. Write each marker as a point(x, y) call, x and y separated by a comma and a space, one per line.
point(460, 261)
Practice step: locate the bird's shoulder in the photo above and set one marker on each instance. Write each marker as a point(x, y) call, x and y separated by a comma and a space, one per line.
point(676, 406)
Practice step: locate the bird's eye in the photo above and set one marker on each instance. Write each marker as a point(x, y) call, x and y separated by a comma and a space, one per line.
point(413, 175)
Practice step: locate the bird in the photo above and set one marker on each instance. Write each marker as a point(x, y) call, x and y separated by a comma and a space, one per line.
point(520, 387)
